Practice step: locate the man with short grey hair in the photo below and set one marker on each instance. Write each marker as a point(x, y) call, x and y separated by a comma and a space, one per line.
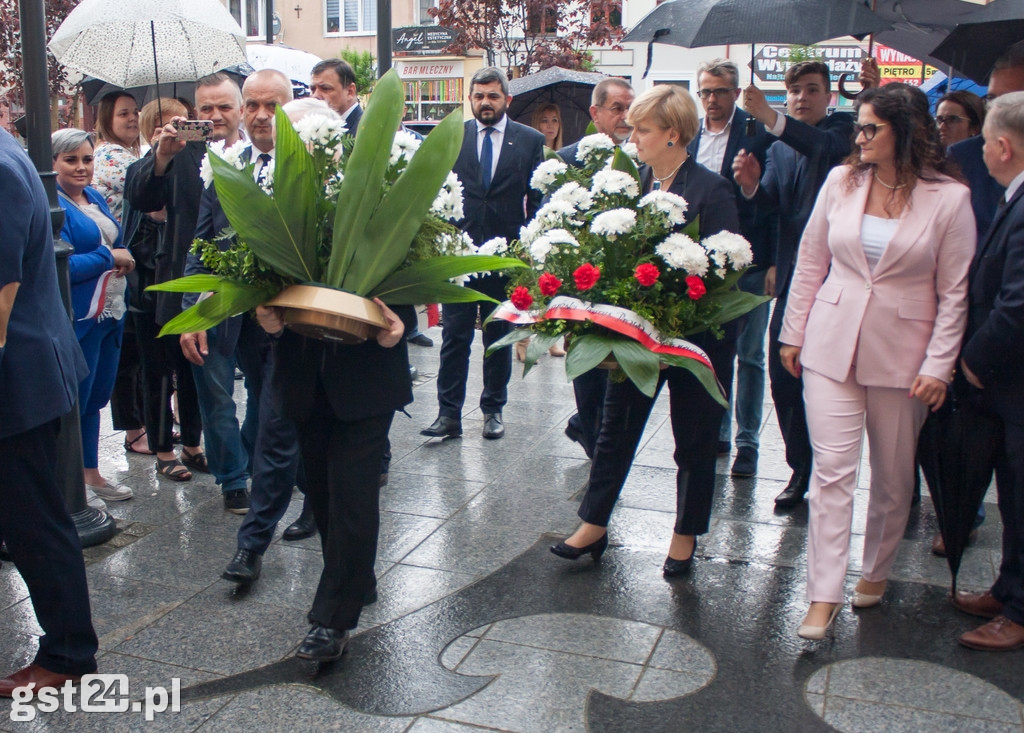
point(991, 361)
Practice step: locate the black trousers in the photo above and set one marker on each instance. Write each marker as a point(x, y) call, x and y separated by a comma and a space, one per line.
point(456, 341)
point(342, 460)
point(43, 543)
point(788, 396)
point(695, 418)
point(1009, 585)
point(127, 410)
point(163, 365)
point(589, 389)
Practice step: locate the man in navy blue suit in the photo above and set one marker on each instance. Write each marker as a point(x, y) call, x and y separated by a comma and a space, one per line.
point(991, 361)
point(334, 81)
point(810, 143)
point(495, 164)
point(723, 133)
point(40, 367)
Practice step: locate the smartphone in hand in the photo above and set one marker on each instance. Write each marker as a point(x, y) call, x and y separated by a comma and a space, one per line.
point(193, 130)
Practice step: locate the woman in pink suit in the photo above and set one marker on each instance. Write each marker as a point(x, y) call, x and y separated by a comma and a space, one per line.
point(876, 312)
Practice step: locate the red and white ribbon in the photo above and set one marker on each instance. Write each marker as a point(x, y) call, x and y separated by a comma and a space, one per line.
point(620, 320)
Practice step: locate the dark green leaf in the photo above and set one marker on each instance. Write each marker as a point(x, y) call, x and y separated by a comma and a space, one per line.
point(642, 366)
point(622, 162)
point(586, 352)
point(704, 375)
point(190, 284)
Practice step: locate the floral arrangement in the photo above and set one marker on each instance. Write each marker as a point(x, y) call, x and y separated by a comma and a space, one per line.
point(369, 215)
point(617, 274)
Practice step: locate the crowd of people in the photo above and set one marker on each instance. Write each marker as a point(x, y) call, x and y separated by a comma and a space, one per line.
point(892, 241)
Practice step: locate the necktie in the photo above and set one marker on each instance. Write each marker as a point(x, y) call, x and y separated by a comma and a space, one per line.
point(487, 157)
point(261, 175)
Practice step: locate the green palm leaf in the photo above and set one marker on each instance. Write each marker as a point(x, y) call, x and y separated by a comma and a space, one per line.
point(231, 299)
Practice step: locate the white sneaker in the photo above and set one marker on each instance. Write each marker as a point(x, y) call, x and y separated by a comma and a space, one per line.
point(111, 491)
point(94, 501)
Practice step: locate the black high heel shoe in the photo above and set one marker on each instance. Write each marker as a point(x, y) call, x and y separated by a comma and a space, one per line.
point(674, 568)
point(595, 548)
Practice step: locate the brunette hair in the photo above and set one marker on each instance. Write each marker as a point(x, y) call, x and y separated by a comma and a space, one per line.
point(105, 119)
point(805, 68)
point(918, 152)
point(972, 104)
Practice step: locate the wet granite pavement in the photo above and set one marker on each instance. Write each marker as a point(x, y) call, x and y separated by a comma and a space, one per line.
point(478, 627)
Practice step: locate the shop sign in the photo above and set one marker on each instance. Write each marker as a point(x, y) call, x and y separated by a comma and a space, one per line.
point(428, 69)
point(418, 39)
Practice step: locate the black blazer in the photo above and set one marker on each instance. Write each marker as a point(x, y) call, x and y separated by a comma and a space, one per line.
point(361, 381)
point(994, 341)
point(568, 154)
point(352, 121)
point(797, 166)
point(986, 193)
point(758, 223)
point(180, 190)
point(510, 202)
point(712, 198)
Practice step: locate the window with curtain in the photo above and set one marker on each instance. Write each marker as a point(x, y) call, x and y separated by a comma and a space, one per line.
point(249, 14)
point(350, 16)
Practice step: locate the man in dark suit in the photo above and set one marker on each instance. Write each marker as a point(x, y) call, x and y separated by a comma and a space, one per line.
point(609, 104)
point(810, 143)
point(40, 367)
point(991, 361)
point(495, 164)
point(722, 134)
point(342, 398)
point(334, 81)
point(169, 177)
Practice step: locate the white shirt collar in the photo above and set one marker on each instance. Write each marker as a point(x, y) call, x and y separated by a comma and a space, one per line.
point(498, 126)
point(1014, 185)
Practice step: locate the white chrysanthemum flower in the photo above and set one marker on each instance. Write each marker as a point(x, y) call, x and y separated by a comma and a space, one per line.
point(405, 145)
point(530, 231)
point(731, 247)
point(673, 206)
point(231, 155)
point(555, 213)
point(496, 246)
point(316, 129)
point(546, 174)
point(540, 249)
point(612, 223)
point(608, 182)
point(592, 144)
point(576, 195)
point(448, 203)
point(629, 149)
point(681, 252)
point(561, 236)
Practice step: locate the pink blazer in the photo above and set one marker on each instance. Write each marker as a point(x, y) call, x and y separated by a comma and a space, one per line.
point(904, 319)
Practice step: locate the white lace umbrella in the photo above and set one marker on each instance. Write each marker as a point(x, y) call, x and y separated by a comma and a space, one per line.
point(135, 42)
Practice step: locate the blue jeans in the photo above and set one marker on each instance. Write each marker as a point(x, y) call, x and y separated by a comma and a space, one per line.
point(748, 396)
point(215, 385)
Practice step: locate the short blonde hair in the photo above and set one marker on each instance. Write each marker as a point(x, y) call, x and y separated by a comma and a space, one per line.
point(169, 108)
point(669, 107)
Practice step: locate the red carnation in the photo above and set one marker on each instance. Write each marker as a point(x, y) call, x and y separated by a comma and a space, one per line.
point(586, 276)
point(549, 284)
point(695, 287)
point(521, 298)
point(646, 274)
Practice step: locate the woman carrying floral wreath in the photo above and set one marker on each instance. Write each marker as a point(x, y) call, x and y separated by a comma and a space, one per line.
point(665, 121)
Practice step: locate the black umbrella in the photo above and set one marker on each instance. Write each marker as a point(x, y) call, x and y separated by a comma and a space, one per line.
point(957, 450)
point(695, 23)
point(570, 90)
point(974, 46)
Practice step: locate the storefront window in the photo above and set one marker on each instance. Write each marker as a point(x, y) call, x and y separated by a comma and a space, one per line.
point(432, 99)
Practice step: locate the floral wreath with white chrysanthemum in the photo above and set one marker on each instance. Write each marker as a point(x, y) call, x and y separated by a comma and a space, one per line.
point(597, 240)
point(327, 140)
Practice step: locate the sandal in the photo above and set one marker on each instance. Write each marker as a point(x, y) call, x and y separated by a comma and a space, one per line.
point(195, 461)
point(129, 445)
point(173, 469)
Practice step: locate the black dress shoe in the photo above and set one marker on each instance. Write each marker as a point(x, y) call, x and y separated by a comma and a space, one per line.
point(575, 433)
point(370, 598)
point(724, 446)
point(674, 568)
point(745, 464)
point(794, 492)
point(323, 644)
point(444, 427)
point(595, 549)
point(493, 429)
point(420, 339)
point(244, 567)
point(301, 528)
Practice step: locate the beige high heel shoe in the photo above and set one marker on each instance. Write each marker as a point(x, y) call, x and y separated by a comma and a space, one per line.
point(817, 633)
point(521, 349)
point(866, 600)
point(557, 349)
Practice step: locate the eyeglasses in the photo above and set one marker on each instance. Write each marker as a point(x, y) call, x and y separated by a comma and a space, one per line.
point(615, 109)
point(868, 131)
point(719, 92)
point(949, 119)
